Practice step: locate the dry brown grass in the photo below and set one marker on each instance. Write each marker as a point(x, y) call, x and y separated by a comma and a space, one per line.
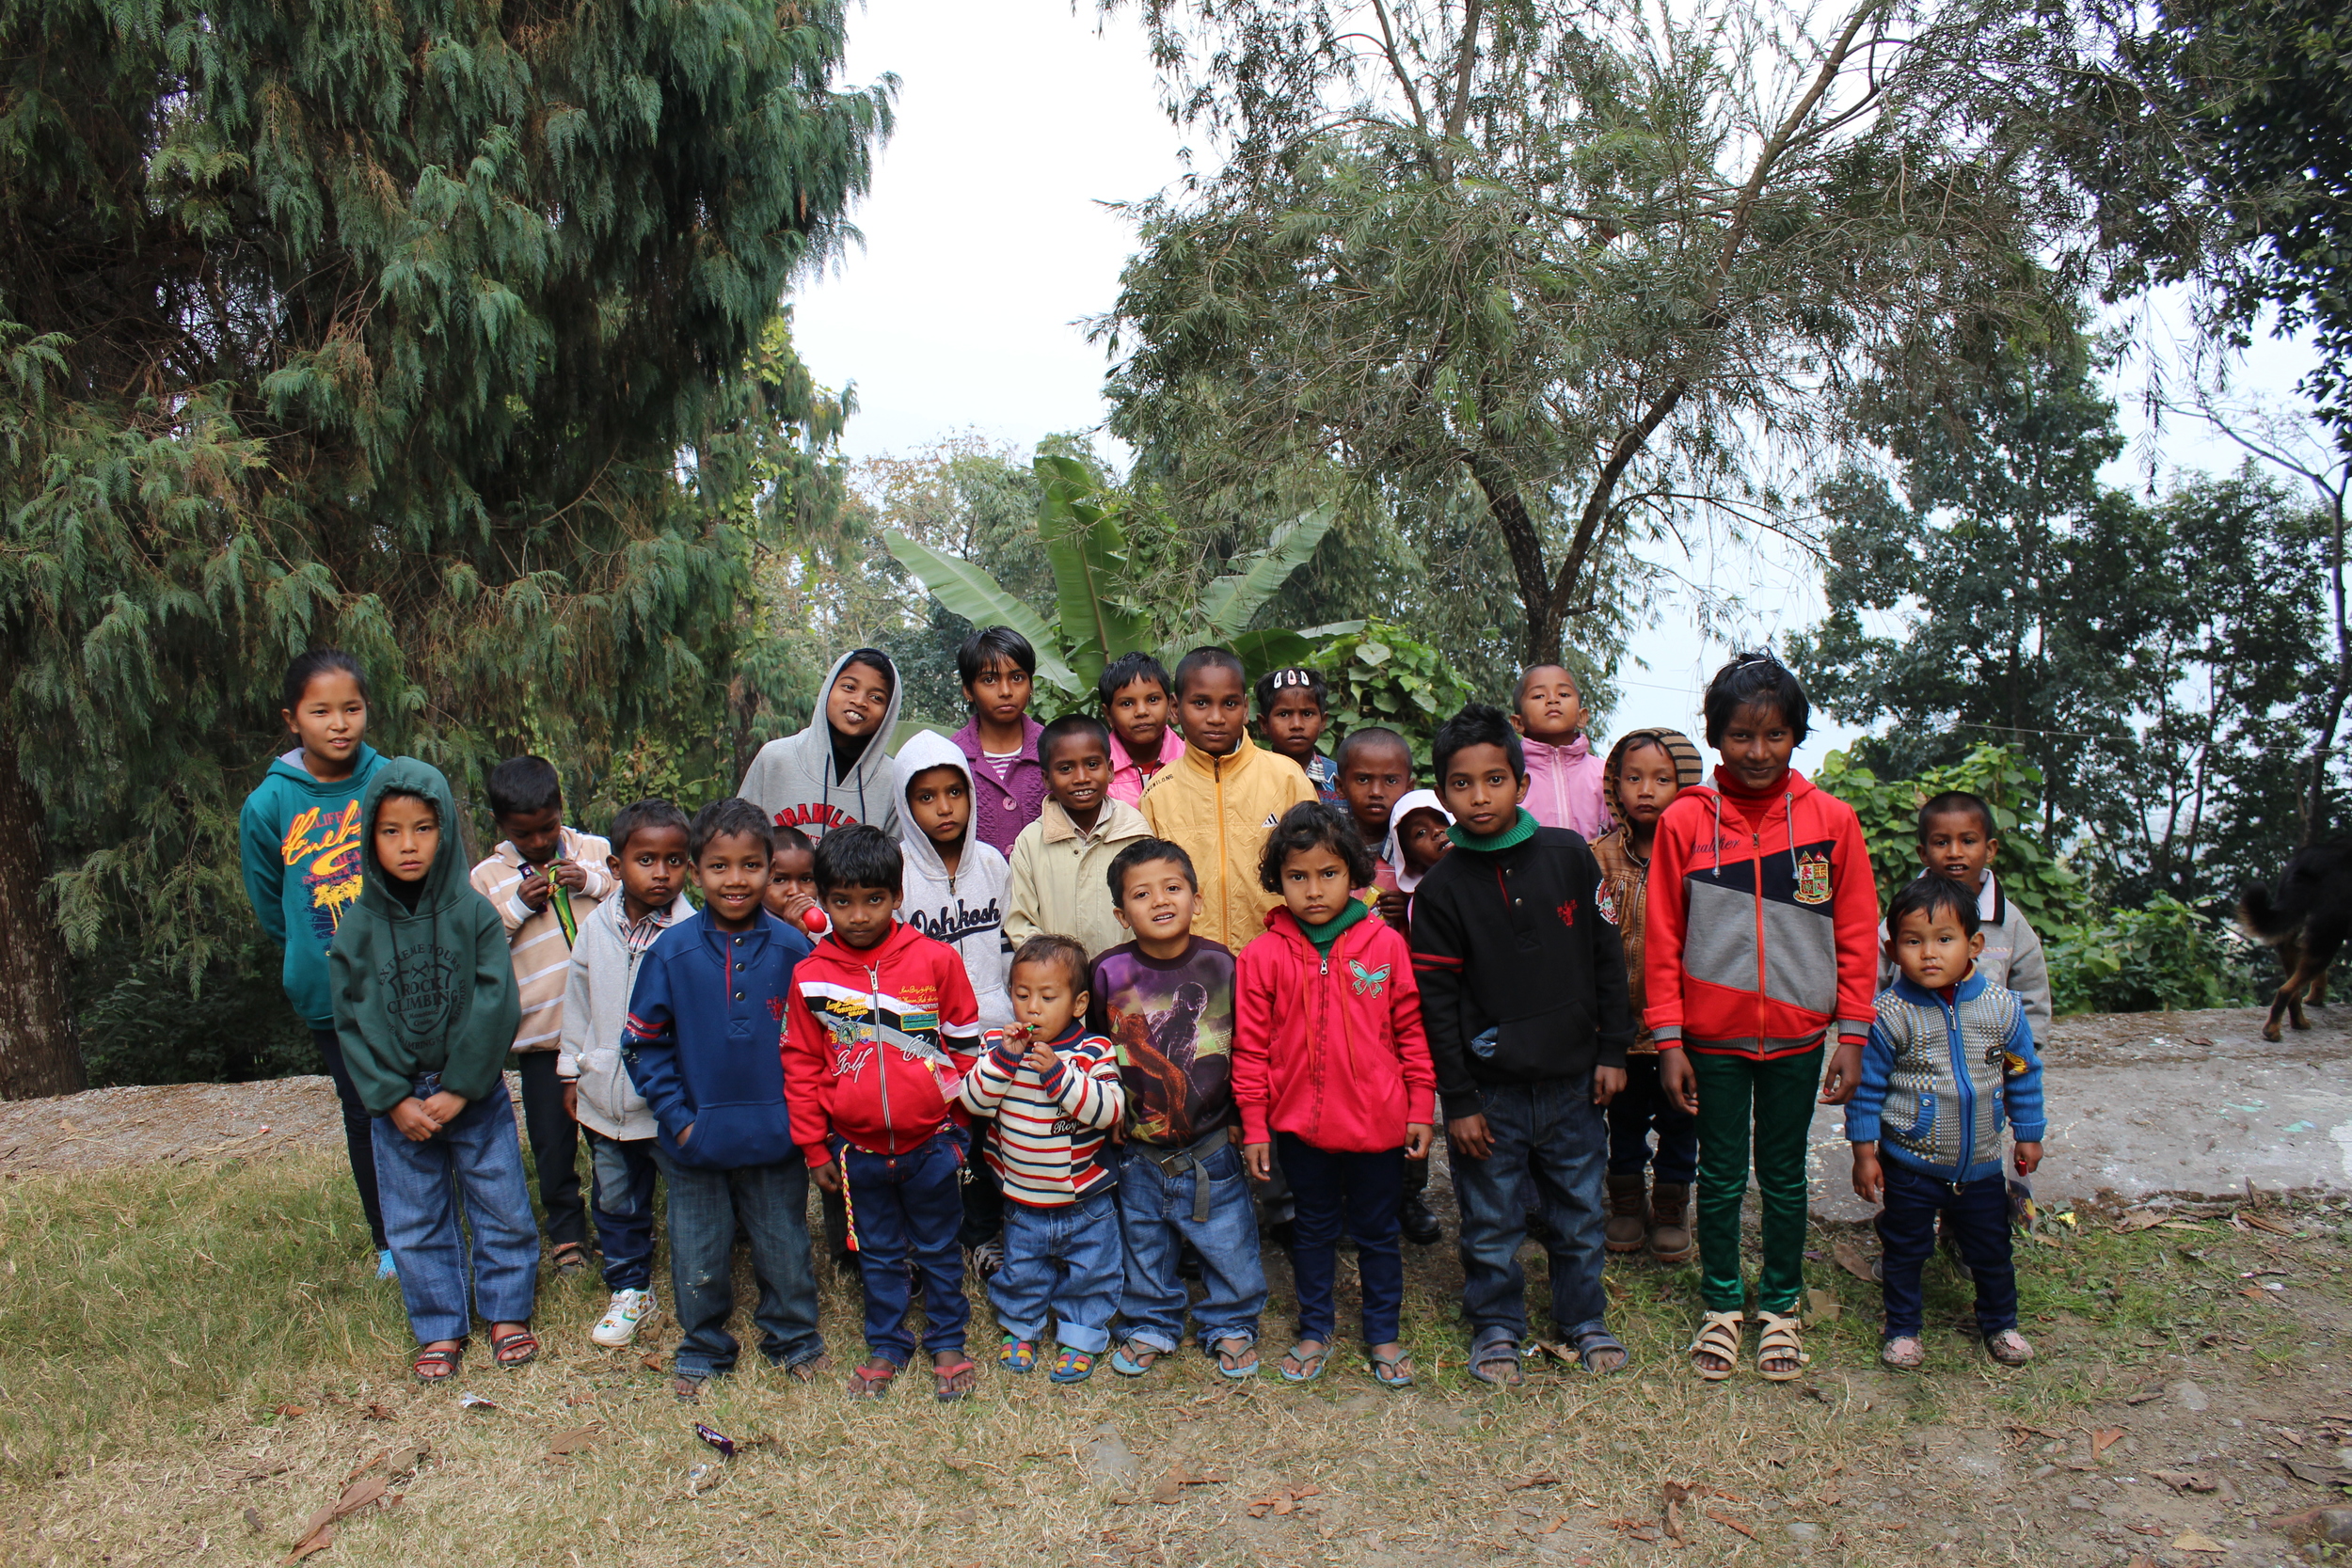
point(160, 1318)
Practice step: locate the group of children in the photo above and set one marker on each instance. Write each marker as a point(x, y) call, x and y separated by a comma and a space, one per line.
point(1086, 1008)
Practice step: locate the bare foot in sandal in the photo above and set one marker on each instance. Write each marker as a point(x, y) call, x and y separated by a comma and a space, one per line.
point(954, 1376)
point(872, 1380)
point(1903, 1351)
point(437, 1362)
point(1716, 1351)
point(1237, 1357)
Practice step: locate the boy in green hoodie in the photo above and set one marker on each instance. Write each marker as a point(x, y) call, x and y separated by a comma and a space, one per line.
point(425, 1007)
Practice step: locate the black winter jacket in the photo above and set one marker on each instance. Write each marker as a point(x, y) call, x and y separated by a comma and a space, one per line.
point(1512, 942)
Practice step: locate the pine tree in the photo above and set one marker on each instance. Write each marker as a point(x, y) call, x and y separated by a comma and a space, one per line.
point(391, 326)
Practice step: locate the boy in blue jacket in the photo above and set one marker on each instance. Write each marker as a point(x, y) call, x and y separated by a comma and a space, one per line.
point(1948, 1056)
point(702, 1045)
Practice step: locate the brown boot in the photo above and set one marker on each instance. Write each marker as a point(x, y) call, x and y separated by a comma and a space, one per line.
point(1670, 1238)
point(1627, 1213)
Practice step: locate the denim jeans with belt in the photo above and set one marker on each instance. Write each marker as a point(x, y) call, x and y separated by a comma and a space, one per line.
point(1552, 1133)
point(620, 1174)
point(1977, 1213)
point(1166, 1200)
point(906, 1210)
point(771, 1203)
point(477, 1161)
point(1061, 1264)
point(1362, 1193)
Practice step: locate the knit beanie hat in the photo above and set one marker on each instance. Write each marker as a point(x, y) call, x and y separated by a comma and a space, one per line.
point(1688, 768)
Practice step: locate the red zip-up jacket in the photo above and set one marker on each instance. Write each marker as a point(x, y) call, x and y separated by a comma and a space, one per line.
point(876, 1043)
point(1329, 1051)
point(1761, 934)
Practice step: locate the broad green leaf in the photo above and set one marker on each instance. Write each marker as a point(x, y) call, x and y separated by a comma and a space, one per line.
point(1272, 649)
point(1088, 553)
point(976, 597)
point(1228, 603)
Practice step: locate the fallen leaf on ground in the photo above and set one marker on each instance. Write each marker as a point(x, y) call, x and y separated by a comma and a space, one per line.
point(1722, 1518)
point(1850, 1260)
point(1822, 1306)
point(2139, 1219)
point(576, 1401)
point(317, 1541)
point(651, 1363)
point(2144, 1396)
point(2317, 1475)
point(291, 1411)
point(380, 1413)
point(2263, 1222)
point(253, 1520)
point(366, 1465)
point(1541, 1478)
point(2186, 1480)
point(2105, 1438)
point(319, 1532)
point(574, 1440)
point(1676, 1496)
point(2192, 1542)
point(402, 1461)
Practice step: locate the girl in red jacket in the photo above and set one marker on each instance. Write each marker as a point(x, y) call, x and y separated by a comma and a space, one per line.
point(1330, 1064)
point(1761, 954)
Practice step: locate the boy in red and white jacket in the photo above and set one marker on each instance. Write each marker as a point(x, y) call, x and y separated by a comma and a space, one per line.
point(1055, 1093)
point(881, 1028)
point(1762, 942)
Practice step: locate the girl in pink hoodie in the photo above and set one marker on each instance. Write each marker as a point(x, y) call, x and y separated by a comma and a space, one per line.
point(1331, 1065)
point(1564, 777)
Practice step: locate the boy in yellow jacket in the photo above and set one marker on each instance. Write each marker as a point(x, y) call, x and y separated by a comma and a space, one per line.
point(1222, 797)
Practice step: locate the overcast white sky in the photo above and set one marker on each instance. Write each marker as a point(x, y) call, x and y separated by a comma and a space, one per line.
point(988, 243)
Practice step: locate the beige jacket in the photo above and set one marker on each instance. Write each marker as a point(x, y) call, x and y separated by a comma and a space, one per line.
point(1061, 877)
point(1221, 809)
point(536, 936)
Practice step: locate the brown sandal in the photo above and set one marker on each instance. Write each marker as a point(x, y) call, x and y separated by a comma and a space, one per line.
point(1719, 1338)
point(568, 1257)
point(1779, 1341)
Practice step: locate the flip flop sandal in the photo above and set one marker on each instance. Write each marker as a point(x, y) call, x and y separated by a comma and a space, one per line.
point(867, 1384)
point(955, 1381)
point(687, 1389)
point(1075, 1365)
point(1498, 1352)
point(523, 1343)
point(1718, 1336)
point(568, 1257)
point(1312, 1362)
point(447, 1359)
point(1123, 1360)
point(2009, 1348)
point(1018, 1355)
point(1903, 1351)
point(1246, 1370)
point(1600, 1341)
point(1779, 1341)
point(1387, 1370)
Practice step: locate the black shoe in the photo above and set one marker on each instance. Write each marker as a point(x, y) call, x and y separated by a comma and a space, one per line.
point(1419, 1226)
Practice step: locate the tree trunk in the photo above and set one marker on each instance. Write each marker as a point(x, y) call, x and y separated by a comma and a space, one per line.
point(38, 1053)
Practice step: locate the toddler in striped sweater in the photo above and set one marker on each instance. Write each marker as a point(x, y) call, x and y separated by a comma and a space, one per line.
point(1055, 1093)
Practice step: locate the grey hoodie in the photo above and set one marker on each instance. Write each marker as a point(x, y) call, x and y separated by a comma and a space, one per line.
point(602, 973)
point(967, 909)
point(793, 781)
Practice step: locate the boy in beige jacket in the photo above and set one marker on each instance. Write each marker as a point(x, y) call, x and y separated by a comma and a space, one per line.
point(1061, 863)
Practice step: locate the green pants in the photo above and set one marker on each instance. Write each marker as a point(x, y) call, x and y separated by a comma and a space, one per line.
point(1779, 1095)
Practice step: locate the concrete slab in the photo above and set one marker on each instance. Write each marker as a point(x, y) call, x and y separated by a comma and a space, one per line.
point(2150, 1103)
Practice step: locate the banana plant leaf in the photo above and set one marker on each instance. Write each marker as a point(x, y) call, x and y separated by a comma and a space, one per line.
point(1228, 603)
point(1087, 550)
point(972, 594)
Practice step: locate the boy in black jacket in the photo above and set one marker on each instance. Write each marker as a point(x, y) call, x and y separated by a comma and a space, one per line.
point(1524, 992)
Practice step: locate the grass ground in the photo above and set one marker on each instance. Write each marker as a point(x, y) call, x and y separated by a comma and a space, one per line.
point(197, 1358)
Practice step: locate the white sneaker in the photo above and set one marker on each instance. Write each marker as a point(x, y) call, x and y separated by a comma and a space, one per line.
point(618, 1326)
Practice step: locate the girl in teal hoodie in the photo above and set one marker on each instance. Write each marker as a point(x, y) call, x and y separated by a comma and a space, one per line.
point(299, 839)
point(425, 1007)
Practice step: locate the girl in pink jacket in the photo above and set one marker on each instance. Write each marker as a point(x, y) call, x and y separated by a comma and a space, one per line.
point(1564, 776)
point(1330, 1064)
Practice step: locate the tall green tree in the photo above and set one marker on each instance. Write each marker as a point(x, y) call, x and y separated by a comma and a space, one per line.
point(1597, 269)
point(383, 324)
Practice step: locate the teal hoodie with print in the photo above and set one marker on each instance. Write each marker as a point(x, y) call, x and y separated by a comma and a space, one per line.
point(423, 990)
point(299, 841)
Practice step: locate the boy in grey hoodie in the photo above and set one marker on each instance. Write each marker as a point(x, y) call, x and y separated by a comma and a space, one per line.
point(649, 858)
point(955, 882)
point(836, 772)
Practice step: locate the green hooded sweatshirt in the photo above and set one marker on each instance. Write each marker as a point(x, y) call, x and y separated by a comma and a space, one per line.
point(424, 991)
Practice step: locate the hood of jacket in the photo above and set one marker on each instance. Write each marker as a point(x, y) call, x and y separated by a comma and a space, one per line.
point(423, 1000)
point(288, 767)
point(1689, 768)
point(793, 778)
point(1392, 850)
point(928, 750)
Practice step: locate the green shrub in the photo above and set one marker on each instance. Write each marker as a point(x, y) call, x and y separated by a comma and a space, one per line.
point(1381, 677)
point(140, 1024)
point(2166, 956)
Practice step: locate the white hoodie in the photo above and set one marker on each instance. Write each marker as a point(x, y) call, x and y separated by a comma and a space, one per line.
point(792, 779)
point(965, 910)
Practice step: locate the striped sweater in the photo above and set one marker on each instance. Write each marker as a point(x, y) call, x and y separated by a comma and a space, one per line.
point(535, 937)
point(1050, 1130)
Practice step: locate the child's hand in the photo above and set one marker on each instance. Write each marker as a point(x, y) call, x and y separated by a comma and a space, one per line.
point(1392, 907)
point(1468, 1136)
point(571, 1098)
point(1041, 1058)
point(1870, 1179)
point(827, 1175)
point(2028, 1158)
point(536, 890)
point(1844, 1072)
point(572, 874)
point(1258, 1160)
point(796, 908)
point(415, 1122)
point(1676, 1082)
point(445, 1107)
point(1607, 1082)
point(1419, 1135)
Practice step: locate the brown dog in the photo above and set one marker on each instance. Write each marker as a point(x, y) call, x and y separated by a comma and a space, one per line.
point(2306, 919)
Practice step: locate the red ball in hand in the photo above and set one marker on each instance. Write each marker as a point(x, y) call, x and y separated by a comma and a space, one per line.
point(812, 920)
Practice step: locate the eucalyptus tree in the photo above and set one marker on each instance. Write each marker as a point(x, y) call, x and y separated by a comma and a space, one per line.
point(383, 324)
point(1607, 270)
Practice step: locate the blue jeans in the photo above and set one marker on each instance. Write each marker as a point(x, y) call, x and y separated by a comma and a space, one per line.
point(1156, 1221)
point(1977, 1215)
point(1553, 1133)
point(1063, 1262)
point(476, 1158)
point(1640, 1108)
point(771, 1203)
point(620, 1190)
point(1362, 1191)
point(359, 1133)
point(907, 1210)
